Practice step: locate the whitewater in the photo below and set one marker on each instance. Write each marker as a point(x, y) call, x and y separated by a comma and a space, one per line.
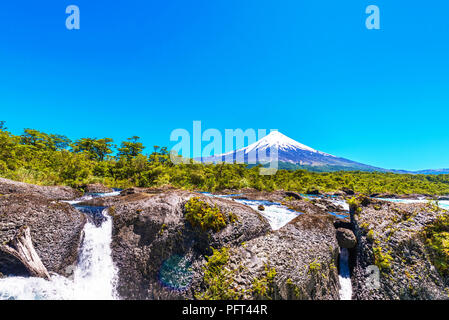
point(94, 277)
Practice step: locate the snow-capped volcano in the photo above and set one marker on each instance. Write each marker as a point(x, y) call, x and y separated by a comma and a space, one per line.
point(278, 147)
point(280, 141)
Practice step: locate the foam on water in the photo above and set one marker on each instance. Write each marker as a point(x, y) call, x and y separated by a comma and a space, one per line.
point(276, 214)
point(344, 276)
point(94, 276)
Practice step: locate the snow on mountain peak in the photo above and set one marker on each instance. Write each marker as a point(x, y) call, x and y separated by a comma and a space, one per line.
point(279, 141)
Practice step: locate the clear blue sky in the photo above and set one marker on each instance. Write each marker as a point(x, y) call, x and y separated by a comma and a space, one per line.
point(308, 68)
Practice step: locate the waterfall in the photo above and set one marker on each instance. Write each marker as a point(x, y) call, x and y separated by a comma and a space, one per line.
point(94, 276)
point(344, 276)
point(276, 214)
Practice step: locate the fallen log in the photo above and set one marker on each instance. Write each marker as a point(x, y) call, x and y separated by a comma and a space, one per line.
point(21, 247)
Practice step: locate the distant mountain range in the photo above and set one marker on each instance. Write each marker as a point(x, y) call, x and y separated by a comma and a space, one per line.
point(293, 155)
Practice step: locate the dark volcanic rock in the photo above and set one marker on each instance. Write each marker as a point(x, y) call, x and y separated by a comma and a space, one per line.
point(49, 192)
point(293, 195)
point(390, 237)
point(96, 188)
point(346, 238)
point(160, 256)
point(150, 231)
point(304, 254)
point(348, 191)
point(56, 231)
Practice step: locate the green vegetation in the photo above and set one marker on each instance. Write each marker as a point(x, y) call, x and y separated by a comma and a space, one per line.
point(200, 214)
point(382, 260)
point(52, 159)
point(263, 288)
point(218, 280)
point(437, 240)
point(314, 267)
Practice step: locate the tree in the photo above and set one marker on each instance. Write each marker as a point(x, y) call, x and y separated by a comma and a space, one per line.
point(59, 142)
point(95, 149)
point(36, 139)
point(131, 148)
point(42, 140)
point(3, 126)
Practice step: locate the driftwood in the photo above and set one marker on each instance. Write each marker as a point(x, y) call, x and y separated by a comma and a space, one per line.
point(21, 247)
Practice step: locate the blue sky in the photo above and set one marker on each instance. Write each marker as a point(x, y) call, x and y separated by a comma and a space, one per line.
point(308, 68)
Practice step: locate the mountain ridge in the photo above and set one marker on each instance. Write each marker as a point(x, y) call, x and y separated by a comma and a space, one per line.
point(293, 155)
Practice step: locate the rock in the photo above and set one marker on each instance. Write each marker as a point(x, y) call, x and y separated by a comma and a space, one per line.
point(313, 192)
point(160, 256)
point(293, 195)
point(261, 208)
point(346, 238)
point(392, 238)
point(136, 190)
point(96, 188)
point(49, 192)
point(56, 230)
point(348, 191)
point(304, 255)
point(151, 235)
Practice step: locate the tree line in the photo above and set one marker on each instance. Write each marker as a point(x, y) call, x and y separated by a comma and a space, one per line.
point(54, 159)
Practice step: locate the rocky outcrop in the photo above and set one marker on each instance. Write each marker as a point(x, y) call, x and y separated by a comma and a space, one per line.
point(394, 256)
point(55, 229)
point(348, 191)
point(96, 188)
point(303, 255)
point(160, 255)
point(150, 231)
point(49, 192)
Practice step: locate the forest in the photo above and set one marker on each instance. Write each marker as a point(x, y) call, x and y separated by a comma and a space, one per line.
point(52, 159)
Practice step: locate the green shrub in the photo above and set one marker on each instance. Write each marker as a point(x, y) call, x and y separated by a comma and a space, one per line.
point(437, 241)
point(218, 280)
point(382, 260)
point(263, 288)
point(199, 214)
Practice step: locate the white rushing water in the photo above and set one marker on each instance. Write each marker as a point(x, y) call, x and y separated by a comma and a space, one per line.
point(344, 276)
point(276, 214)
point(94, 276)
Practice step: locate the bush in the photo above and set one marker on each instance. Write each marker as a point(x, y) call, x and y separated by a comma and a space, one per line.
point(200, 214)
point(218, 280)
point(437, 241)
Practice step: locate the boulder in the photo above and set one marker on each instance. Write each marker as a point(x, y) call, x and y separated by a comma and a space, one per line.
point(49, 192)
point(394, 239)
point(55, 230)
point(96, 188)
point(314, 192)
point(303, 255)
point(293, 195)
point(150, 234)
point(348, 191)
point(346, 238)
